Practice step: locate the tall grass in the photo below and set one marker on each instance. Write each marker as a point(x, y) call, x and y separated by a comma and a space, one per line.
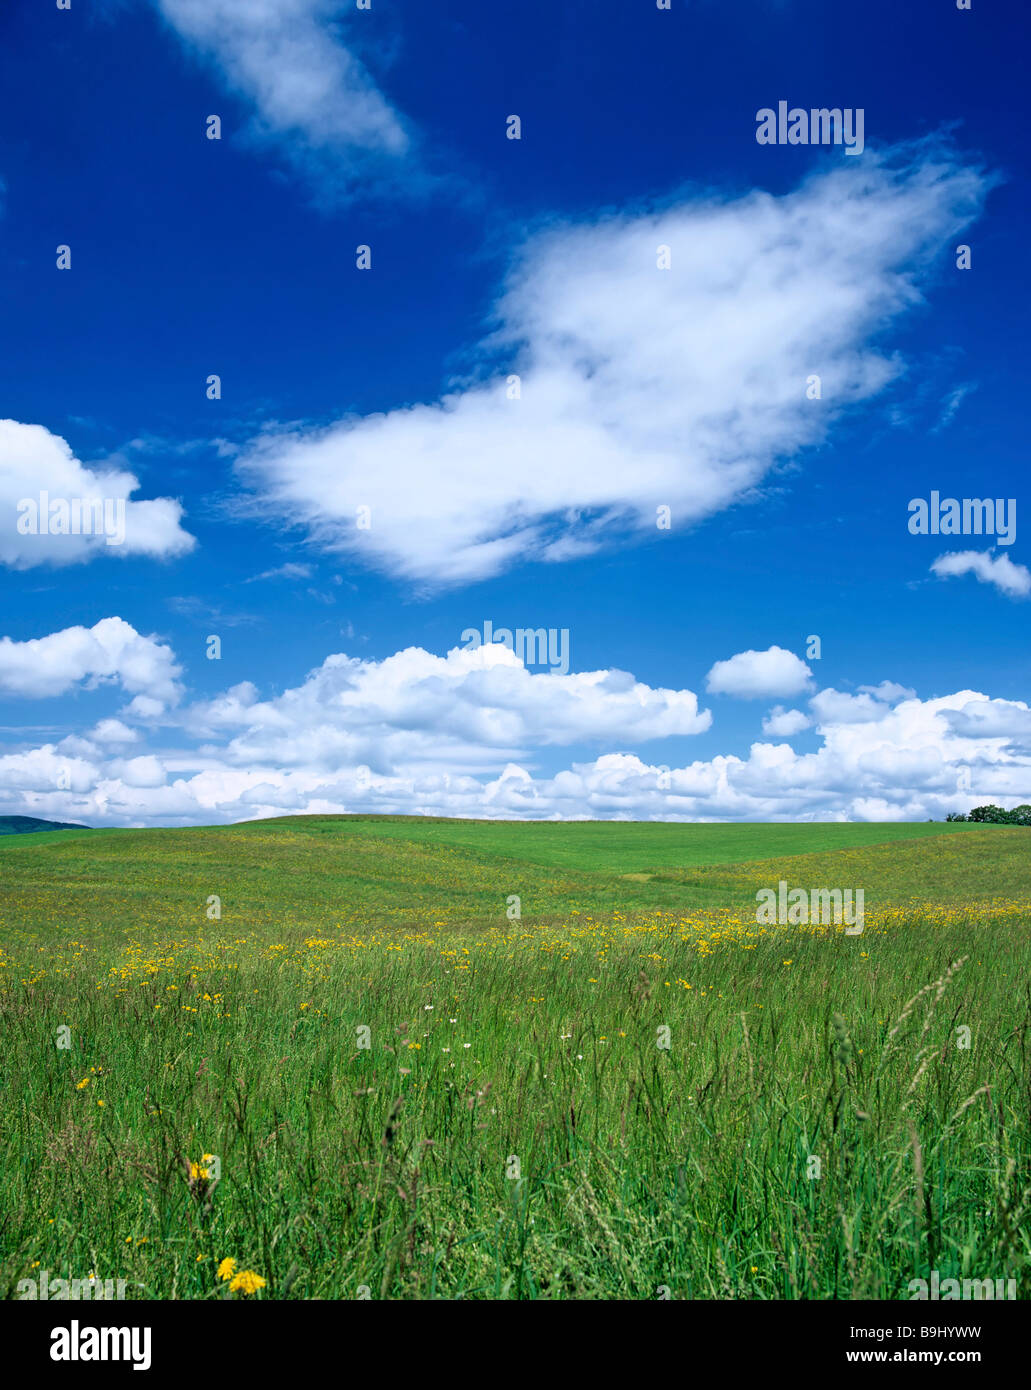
point(515, 1129)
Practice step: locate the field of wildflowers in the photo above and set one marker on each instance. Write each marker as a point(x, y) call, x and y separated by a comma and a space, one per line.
point(333, 1060)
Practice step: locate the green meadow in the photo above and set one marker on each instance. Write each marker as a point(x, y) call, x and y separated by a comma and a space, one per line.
point(405, 1058)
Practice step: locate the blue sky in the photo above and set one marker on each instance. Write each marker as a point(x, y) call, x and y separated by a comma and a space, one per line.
point(640, 387)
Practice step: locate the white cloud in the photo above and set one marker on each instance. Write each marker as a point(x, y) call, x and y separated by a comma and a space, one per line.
point(951, 404)
point(754, 675)
point(32, 461)
point(640, 387)
point(1007, 719)
point(49, 778)
point(890, 692)
point(144, 707)
point(110, 652)
point(463, 735)
point(1008, 578)
point(783, 723)
point(113, 731)
point(143, 772)
point(290, 570)
point(311, 94)
point(838, 707)
point(467, 710)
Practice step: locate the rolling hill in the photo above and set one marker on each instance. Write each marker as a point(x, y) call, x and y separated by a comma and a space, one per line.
point(30, 825)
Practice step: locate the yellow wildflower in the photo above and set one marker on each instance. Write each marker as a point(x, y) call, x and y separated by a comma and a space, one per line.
point(247, 1282)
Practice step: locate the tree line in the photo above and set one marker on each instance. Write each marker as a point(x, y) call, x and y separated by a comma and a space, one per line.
point(995, 815)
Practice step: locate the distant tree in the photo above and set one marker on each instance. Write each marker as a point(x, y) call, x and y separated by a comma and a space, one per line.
point(955, 815)
point(992, 816)
point(1021, 815)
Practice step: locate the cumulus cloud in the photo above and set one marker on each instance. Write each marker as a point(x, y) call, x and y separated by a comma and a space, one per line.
point(113, 731)
point(783, 723)
point(142, 772)
point(47, 777)
point(311, 94)
point(465, 735)
point(110, 652)
point(890, 692)
point(34, 461)
point(1007, 719)
point(639, 387)
point(909, 765)
point(1010, 579)
point(753, 675)
point(467, 709)
point(839, 707)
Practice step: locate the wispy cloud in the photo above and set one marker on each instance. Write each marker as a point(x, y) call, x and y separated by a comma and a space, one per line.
point(312, 97)
point(290, 570)
point(1010, 579)
point(201, 611)
point(639, 387)
point(952, 403)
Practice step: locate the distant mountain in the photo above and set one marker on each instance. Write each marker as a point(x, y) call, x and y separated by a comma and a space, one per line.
point(28, 825)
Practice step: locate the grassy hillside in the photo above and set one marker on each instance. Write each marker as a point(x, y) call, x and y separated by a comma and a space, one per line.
point(631, 1086)
point(613, 846)
point(310, 873)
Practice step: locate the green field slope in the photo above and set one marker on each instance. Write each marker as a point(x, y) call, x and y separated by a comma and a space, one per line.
point(422, 1059)
point(310, 873)
point(616, 846)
